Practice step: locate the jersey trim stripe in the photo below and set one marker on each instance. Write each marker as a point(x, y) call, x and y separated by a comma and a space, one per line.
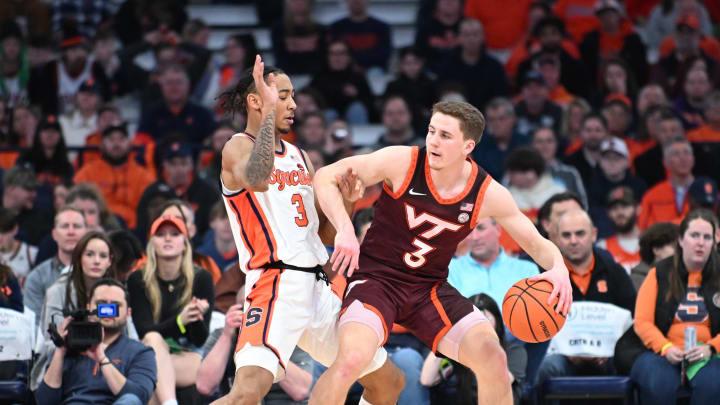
point(463, 194)
point(441, 311)
point(408, 176)
point(283, 149)
point(265, 227)
point(268, 318)
point(246, 241)
point(479, 200)
point(302, 155)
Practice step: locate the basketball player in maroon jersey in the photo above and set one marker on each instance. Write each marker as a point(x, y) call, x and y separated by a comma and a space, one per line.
point(432, 199)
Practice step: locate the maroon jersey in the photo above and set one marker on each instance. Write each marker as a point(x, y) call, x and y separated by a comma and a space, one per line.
point(414, 231)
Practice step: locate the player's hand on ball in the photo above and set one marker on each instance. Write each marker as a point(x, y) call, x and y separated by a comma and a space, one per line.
point(559, 277)
point(267, 91)
point(351, 187)
point(346, 254)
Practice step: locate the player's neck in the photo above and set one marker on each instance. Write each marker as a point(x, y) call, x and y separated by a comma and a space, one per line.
point(451, 180)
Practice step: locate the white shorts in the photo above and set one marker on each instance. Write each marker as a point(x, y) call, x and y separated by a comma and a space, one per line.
point(288, 308)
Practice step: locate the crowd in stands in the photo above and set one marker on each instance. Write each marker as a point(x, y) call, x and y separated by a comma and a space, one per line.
point(603, 121)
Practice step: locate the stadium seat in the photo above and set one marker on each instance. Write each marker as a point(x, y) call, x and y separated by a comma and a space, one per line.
point(606, 387)
point(14, 382)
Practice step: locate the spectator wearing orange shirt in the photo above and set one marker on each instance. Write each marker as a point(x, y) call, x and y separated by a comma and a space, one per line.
point(710, 131)
point(579, 16)
point(121, 179)
point(649, 164)
point(548, 65)
point(681, 292)
point(624, 245)
point(667, 201)
point(552, 38)
point(687, 40)
point(615, 37)
point(504, 21)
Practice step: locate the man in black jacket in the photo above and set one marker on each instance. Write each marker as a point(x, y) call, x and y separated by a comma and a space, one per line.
point(593, 278)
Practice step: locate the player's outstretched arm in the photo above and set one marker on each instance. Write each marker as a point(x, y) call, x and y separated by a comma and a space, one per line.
point(249, 164)
point(499, 204)
point(387, 164)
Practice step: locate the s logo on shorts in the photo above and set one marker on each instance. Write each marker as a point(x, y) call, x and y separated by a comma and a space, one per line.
point(253, 316)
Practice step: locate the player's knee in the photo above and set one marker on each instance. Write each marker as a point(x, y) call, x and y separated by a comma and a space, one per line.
point(489, 356)
point(247, 395)
point(352, 363)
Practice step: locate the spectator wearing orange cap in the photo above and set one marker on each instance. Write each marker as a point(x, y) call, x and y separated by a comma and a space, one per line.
point(53, 85)
point(687, 42)
point(615, 37)
point(121, 179)
point(664, 17)
point(667, 201)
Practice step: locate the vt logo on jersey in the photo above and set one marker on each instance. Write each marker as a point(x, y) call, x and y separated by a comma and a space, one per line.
point(292, 178)
point(692, 308)
point(417, 258)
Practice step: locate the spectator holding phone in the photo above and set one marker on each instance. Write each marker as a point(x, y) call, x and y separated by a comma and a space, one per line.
point(117, 370)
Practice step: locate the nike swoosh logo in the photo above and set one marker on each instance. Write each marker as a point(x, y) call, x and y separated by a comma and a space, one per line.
point(412, 192)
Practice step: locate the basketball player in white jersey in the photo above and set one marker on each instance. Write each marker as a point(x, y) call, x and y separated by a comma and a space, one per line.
point(268, 194)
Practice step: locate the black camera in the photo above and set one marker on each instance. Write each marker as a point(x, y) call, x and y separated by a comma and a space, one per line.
point(81, 333)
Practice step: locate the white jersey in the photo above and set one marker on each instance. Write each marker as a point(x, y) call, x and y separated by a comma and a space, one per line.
point(280, 224)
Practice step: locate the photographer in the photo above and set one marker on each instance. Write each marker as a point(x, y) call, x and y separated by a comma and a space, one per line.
point(92, 259)
point(116, 371)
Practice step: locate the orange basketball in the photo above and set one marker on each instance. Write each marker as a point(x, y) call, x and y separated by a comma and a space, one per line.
point(526, 313)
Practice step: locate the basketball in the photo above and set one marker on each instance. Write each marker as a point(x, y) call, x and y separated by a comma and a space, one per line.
point(526, 313)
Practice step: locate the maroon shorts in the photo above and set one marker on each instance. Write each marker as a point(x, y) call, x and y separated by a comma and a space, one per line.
point(428, 309)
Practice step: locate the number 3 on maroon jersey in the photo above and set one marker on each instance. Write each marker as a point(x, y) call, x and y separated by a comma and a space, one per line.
point(417, 258)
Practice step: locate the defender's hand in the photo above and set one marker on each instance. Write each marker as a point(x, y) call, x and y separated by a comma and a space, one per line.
point(267, 91)
point(346, 254)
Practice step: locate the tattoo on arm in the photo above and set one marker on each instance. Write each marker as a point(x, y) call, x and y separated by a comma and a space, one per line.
point(262, 157)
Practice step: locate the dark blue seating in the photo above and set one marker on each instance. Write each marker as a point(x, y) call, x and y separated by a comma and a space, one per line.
point(14, 382)
point(606, 387)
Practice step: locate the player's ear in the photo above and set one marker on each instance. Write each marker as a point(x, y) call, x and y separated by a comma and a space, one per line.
point(468, 146)
point(254, 101)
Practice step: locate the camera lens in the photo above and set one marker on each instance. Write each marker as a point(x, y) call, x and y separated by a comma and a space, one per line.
point(340, 133)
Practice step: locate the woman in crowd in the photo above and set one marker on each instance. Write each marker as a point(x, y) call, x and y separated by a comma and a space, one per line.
point(171, 302)
point(48, 154)
point(10, 292)
point(545, 141)
point(570, 140)
point(93, 258)
point(434, 370)
point(680, 293)
point(615, 78)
